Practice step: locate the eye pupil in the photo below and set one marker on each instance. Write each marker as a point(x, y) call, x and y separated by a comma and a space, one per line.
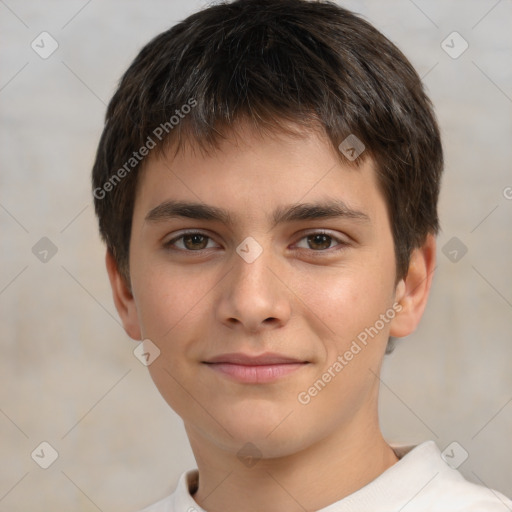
point(196, 240)
point(319, 239)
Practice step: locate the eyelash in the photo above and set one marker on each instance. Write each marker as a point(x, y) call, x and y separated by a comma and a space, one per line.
point(342, 243)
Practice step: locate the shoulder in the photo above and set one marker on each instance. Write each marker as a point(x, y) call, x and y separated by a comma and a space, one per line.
point(444, 487)
point(446, 493)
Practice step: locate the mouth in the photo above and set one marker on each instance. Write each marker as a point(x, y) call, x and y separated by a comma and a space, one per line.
point(259, 369)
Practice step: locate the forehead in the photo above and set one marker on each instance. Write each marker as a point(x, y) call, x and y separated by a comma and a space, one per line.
point(254, 175)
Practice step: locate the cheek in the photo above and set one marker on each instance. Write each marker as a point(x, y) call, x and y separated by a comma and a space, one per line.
point(168, 297)
point(172, 304)
point(347, 300)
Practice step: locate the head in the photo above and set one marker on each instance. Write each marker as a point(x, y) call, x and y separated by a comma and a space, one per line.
point(251, 107)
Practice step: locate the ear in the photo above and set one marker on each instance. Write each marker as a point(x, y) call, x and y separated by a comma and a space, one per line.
point(412, 291)
point(123, 299)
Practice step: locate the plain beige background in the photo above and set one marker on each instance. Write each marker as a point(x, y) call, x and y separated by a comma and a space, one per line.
point(68, 373)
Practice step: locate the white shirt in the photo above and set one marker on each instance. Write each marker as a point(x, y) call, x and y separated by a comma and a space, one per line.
point(420, 481)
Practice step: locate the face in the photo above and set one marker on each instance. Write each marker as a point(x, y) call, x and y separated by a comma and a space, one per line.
point(267, 289)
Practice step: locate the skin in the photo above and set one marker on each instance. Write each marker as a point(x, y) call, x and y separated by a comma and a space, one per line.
point(300, 298)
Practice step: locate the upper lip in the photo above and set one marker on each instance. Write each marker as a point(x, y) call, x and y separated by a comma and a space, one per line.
point(248, 360)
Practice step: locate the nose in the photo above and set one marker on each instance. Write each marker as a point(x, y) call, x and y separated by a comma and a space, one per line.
point(254, 296)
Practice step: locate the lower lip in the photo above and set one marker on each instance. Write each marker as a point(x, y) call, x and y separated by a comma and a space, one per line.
point(256, 374)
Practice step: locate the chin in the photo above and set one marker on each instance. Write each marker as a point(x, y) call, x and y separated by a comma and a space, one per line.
point(274, 437)
point(258, 445)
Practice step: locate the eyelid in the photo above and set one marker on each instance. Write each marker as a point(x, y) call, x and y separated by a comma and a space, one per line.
point(318, 231)
point(180, 234)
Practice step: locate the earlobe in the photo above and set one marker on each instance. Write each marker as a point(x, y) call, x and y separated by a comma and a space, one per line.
point(123, 298)
point(413, 290)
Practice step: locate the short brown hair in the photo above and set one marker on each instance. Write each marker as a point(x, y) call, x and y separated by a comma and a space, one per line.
point(273, 62)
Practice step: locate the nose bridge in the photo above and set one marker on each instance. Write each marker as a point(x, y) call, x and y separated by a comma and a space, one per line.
point(253, 296)
point(251, 273)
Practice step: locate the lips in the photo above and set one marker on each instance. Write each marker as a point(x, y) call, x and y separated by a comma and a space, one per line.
point(248, 360)
point(258, 369)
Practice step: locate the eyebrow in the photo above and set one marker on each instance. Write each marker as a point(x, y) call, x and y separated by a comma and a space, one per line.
point(335, 208)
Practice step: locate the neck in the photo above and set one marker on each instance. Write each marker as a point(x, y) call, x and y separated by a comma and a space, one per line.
point(311, 479)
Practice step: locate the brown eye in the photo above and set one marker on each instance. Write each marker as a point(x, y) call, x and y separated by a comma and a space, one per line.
point(319, 241)
point(191, 242)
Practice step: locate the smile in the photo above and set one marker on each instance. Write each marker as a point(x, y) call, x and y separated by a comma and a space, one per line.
point(256, 374)
point(255, 369)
